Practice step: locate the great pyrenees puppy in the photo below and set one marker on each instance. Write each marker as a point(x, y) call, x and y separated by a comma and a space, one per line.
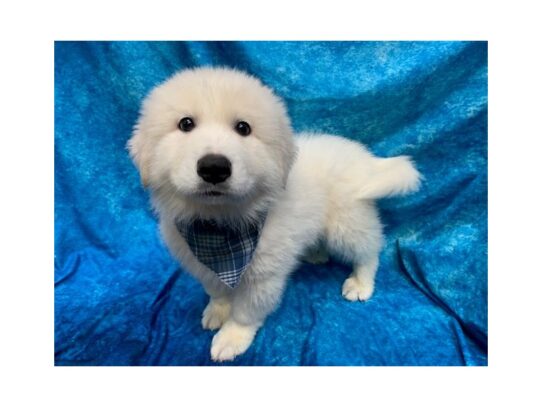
point(240, 200)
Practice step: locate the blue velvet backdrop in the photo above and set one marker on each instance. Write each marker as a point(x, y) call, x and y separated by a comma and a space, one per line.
point(120, 299)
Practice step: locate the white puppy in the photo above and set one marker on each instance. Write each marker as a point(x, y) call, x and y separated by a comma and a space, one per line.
point(240, 200)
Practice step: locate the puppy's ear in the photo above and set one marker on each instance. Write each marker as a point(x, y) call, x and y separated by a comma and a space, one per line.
point(138, 149)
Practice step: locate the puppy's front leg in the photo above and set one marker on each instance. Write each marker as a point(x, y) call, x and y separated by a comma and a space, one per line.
point(218, 309)
point(231, 340)
point(216, 313)
point(252, 302)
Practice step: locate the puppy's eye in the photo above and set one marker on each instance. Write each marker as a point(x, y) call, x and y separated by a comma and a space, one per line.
point(242, 128)
point(186, 124)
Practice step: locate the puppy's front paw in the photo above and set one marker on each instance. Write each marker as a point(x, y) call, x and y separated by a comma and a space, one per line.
point(355, 290)
point(215, 314)
point(233, 339)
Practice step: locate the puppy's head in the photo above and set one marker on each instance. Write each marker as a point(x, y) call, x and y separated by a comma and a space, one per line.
point(213, 136)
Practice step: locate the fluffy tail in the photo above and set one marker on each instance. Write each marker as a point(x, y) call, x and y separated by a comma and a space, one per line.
point(391, 176)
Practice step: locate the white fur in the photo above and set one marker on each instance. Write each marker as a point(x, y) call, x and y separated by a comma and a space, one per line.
point(321, 197)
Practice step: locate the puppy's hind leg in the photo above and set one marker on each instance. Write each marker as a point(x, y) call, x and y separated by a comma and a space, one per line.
point(360, 285)
point(354, 233)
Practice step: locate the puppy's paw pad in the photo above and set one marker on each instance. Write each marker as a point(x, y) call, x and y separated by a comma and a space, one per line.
point(215, 314)
point(232, 340)
point(355, 290)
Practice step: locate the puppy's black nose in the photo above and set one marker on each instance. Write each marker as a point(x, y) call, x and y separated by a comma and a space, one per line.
point(214, 168)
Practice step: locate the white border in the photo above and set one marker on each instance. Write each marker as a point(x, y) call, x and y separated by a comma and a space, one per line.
point(28, 32)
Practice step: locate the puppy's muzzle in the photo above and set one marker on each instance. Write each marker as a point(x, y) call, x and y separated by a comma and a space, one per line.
point(214, 168)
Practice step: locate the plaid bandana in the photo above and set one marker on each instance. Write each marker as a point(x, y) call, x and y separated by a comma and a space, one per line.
point(224, 249)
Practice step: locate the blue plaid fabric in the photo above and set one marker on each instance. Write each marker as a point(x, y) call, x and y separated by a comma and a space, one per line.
point(226, 250)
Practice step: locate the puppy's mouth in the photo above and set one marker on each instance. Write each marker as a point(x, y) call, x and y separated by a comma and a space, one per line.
point(212, 193)
point(216, 196)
